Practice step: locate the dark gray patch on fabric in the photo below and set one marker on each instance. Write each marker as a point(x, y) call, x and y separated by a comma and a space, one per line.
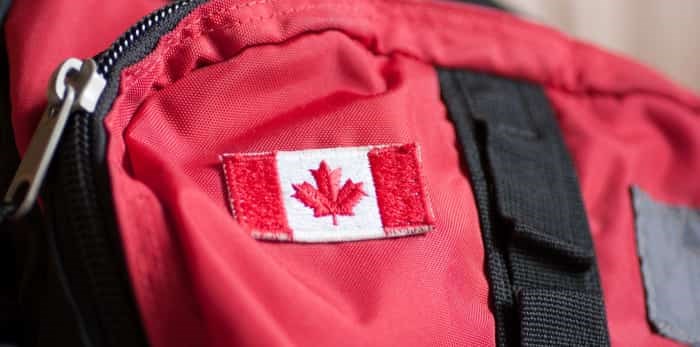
point(668, 243)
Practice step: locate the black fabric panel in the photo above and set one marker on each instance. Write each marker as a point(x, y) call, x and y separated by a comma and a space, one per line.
point(34, 308)
point(9, 160)
point(539, 251)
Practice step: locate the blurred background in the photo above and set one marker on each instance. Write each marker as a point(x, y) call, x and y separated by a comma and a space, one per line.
point(662, 34)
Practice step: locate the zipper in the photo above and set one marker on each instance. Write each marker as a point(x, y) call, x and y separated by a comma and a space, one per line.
point(67, 94)
point(108, 59)
point(70, 139)
point(75, 86)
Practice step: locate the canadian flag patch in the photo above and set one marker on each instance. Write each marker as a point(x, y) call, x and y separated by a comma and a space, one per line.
point(329, 195)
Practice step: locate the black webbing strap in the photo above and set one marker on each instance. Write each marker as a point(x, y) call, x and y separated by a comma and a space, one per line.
point(540, 260)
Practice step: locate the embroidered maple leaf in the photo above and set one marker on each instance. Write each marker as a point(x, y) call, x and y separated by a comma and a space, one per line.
point(328, 199)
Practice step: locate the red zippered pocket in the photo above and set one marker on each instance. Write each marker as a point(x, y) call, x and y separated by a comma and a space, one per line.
point(195, 98)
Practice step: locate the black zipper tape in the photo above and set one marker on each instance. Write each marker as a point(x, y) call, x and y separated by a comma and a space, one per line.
point(85, 228)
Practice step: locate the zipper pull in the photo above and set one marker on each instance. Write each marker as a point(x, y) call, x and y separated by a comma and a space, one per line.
point(75, 86)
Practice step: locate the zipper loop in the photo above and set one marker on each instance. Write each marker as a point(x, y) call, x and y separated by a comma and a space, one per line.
point(74, 86)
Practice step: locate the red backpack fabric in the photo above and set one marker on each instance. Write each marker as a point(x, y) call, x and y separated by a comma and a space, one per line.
point(288, 75)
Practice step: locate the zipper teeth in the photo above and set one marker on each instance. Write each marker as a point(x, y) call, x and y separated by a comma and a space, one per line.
point(109, 58)
point(113, 314)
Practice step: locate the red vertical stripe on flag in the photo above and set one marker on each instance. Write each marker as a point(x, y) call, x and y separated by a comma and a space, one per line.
point(255, 195)
point(400, 192)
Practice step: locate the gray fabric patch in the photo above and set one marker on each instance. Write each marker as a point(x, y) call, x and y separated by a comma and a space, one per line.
point(668, 242)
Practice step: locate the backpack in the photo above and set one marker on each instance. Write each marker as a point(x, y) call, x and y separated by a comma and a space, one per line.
point(339, 173)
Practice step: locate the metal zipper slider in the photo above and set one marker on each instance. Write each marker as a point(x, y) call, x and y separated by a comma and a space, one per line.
point(75, 86)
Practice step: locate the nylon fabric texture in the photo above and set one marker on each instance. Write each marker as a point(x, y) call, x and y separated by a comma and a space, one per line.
point(367, 289)
point(620, 141)
point(286, 75)
point(272, 294)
